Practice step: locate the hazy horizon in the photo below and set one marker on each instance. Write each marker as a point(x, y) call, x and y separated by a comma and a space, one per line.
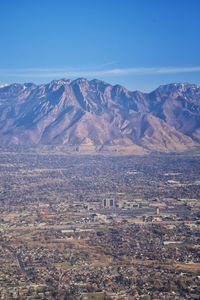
point(138, 44)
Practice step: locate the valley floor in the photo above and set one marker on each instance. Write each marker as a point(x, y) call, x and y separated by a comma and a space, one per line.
point(59, 239)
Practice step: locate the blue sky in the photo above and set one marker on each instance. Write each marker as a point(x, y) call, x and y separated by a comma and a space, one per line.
point(137, 43)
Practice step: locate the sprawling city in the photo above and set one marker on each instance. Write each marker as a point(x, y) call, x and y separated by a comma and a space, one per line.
point(99, 227)
point(100, 150)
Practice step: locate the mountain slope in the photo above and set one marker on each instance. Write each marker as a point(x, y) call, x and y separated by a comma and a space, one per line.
point(94, 115)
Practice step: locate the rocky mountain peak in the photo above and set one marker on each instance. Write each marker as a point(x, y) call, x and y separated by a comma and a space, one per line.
point(92, 115)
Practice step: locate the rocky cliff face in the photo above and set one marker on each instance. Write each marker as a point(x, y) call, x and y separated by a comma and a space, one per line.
point(94, 115)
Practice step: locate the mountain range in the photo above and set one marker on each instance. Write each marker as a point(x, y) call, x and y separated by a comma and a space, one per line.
point(92, 116)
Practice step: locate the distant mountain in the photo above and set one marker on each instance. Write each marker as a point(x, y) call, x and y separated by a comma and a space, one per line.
point(96, 116)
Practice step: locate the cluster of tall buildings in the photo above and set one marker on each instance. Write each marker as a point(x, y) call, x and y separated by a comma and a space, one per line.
point(108, 203)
